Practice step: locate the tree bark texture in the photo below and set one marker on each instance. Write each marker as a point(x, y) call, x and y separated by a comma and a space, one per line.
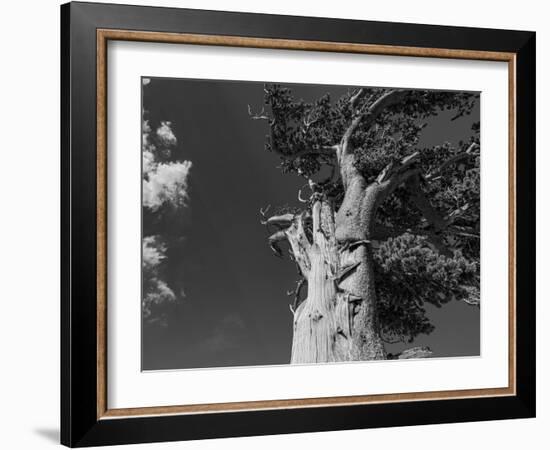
point(338, 319)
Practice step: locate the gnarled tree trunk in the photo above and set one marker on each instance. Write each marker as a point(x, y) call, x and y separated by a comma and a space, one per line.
point(338, 319)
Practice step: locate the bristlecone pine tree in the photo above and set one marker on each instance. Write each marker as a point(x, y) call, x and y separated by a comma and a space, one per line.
point(393, 226)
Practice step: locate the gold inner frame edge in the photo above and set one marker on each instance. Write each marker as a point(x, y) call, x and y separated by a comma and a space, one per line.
point(103, 36)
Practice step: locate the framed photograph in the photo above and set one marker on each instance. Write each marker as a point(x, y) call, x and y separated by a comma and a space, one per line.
point(276, 224)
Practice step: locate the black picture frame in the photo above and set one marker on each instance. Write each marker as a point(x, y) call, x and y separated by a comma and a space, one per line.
point(80, 425)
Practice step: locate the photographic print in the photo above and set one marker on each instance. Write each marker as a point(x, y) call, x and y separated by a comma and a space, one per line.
point(307, 224)
point(282, 235)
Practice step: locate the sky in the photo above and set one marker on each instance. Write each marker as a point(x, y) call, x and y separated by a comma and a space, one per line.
point(227, 302)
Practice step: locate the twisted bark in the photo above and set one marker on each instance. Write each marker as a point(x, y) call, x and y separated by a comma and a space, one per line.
point(338, 319)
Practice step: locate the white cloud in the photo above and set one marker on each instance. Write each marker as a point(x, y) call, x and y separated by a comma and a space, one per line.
point(145, 81)
point(165, 134)
point(145, 130)
point(148, 162)
point(154, 252)
point(166, 182)
point(158, 294)
point(163, 182)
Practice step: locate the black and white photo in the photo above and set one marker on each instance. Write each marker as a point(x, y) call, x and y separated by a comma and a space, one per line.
point(304, 224)
point(278, 224)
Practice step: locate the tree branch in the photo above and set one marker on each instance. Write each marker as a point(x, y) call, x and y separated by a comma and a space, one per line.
point(470, 232)
point(301, 247)
point(436, 222)
point(371, 113)
point(457, 213)
point(397, 171)
point(307, 122)
point(274, 241)
point(323, 150)
point(354, 99)
point(393, 175)
point(452, 160)
point(345, 271)
point(292, 230)
point(471, 302)
point(258, 116)
point(382, 232)
point(282, 220)
point(297, 291)
point(413, 353)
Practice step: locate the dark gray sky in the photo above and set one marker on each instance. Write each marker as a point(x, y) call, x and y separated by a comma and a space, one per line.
point(235, 311)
